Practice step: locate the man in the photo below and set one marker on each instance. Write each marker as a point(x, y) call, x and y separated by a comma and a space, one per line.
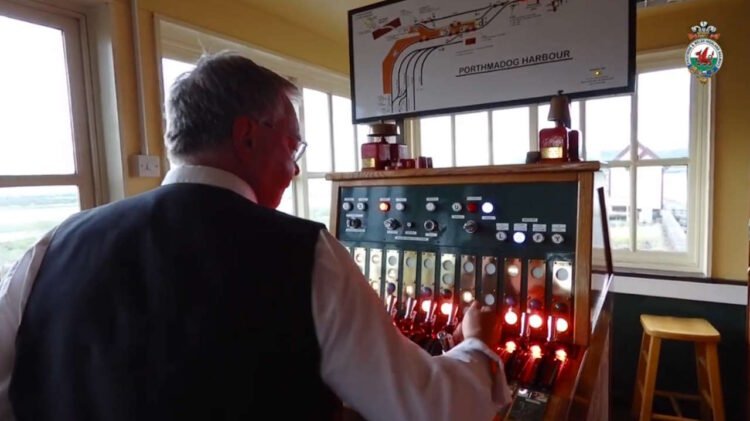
point(198, 300)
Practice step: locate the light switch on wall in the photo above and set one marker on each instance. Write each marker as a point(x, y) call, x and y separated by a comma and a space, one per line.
point(145, 166)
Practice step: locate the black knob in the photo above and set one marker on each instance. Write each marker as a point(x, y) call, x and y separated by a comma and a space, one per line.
point(353, 223)
point(391, 224)
point(390, 288)
point(430, 225)
point(510, 300)
point(446, 293)
point(471, 227)
point(535, 304)
point(561, 307)
point(427, 291)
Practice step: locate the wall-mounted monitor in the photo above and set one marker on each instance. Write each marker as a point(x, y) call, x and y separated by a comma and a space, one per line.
point(421, 57)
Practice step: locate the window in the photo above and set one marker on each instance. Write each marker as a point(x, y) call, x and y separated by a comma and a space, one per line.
point(653, 146)
point(45, 150)
point(324, 114)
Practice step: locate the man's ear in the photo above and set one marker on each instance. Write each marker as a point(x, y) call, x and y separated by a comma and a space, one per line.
point(243, 134)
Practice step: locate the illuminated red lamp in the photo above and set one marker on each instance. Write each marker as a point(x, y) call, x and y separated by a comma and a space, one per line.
point(510, 347)
point(384, 206)
point(472, 207)
point(561, 355)
point(561, 325)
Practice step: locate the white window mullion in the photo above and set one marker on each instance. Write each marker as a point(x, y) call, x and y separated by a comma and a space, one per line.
point(453, 140)
point(533, 127)
point(331, 142)
point(633, 170)
point(582, 130)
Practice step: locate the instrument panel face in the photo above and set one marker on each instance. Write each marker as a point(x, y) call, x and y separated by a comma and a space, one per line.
point(431, 250)
point(522, 219)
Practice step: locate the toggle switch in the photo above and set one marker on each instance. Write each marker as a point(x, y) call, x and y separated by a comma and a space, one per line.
point(537, 237)
point(361, 206)
point(347, 206)
point(557, 238)
point(430, 206)
point(456, 207)
point(501, 236)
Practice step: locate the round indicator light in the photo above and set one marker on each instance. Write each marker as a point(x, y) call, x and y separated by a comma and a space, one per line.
point(487, 207)
point(446, 308)
point(511, 317)
point(471, 207)
point(536, 351)
point(561, 325)
point(519, 237)
point(384, 206)
point(535, 321)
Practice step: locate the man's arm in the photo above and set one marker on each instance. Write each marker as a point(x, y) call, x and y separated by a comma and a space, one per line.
point(15, 288)
point(379, 372)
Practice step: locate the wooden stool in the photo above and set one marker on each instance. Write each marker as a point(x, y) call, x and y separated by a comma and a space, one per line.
point(705, 337)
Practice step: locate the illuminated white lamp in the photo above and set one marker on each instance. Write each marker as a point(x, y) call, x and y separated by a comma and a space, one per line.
point(426, 305)
point(511, 317)
point(535, 321)
point(446, 308)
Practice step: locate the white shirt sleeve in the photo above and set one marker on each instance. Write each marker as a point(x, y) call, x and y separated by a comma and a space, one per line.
point(15, 288)
point(379, 372)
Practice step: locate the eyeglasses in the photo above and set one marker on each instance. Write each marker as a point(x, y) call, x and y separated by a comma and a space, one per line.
point(301, 144)
point(301, 147)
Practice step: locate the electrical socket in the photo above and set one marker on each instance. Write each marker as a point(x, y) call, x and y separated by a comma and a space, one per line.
point(145, 166)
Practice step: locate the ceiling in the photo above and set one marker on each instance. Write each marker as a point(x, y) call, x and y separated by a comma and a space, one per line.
point(327, 18)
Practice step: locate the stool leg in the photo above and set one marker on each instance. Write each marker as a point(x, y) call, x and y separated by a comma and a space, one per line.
point(714, 382)
point(637, 395)
point(649, 381)
point(703, 387)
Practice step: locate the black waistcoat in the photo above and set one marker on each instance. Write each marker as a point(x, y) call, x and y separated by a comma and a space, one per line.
point(185, 303)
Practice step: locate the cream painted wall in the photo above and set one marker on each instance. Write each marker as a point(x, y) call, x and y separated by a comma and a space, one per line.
point(658, 27)
point(668, 26)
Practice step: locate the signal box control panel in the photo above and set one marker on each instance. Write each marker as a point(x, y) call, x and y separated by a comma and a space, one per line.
point(430, 246)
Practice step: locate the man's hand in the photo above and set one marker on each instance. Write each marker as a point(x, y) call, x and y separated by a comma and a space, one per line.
point(481, 323)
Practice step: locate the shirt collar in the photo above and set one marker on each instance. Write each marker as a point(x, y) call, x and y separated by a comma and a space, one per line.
point(200, 174)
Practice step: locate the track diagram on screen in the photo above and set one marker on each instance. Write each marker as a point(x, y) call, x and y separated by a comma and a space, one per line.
point(413, 45)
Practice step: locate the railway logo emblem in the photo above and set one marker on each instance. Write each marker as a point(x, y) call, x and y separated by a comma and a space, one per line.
point(703, 56)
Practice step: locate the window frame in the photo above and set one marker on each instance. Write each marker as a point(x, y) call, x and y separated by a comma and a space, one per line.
point(695, 260)
point(84, 177)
